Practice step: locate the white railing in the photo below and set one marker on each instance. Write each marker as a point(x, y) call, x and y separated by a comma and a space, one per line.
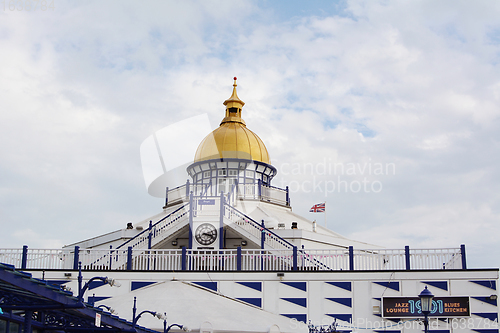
point(241, 191)
point(436, 258)
point(274, 195)
point(336, 260)
point(11, 256)
point(271, 241)
point(157, 260)
point(227, 260)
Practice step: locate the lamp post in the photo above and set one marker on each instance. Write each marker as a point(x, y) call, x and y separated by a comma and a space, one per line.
point(136, 318)
point(166, 329)
point(110, 309)
point(105, 279)
point(426, 305)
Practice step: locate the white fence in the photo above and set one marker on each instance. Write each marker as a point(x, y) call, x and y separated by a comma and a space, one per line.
point(229, 260)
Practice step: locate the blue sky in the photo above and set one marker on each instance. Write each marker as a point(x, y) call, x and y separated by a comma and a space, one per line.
point(414, 84)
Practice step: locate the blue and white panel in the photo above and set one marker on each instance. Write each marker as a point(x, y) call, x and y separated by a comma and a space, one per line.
point(248, 292)
point(292, 300)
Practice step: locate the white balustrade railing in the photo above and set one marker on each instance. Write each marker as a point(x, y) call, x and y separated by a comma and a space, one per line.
point(271, 241)
point(274, 195)
point(227, 260)
point(436, 258)
point(11, 256)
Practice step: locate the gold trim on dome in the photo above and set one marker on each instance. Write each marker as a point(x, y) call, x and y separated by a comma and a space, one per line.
point(232, 139)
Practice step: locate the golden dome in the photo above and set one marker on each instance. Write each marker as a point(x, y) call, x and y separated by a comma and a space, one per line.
point(232, 139)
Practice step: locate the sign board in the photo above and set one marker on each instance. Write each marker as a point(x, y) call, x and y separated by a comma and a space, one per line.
point(98, 319)
point(443, 307)
point(208, 202)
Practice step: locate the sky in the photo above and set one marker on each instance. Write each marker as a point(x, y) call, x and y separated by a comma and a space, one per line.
point(387, 110)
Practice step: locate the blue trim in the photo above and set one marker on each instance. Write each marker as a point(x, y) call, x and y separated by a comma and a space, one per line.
point(394, 285)
point(486, 330)
point(209, 285)
point(343, 285)
point(184, 255)
point(464, 259)
point(139, 284)
point(486, 299)
point(298, 285)
point(238, 258)
point(341, 316)
point(490, 315)
point(492, 284)
point(438, 284)
point(387, 331)
point(24, 258)
point(129, 258)
point(298, 301)
point(76, 258)
point(299, 317)
point(254, 285)
point(407, 257)
point(343, 301)
point(294, 258)
point(253, 301)
point(351, 258)
point(221, 222)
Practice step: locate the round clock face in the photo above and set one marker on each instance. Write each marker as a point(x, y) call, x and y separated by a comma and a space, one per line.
point(206, 234)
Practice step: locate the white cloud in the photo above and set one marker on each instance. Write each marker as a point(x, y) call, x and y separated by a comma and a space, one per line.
point(410, 83)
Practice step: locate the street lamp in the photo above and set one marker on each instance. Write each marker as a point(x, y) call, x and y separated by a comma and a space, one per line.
point(166, 329)
point(426, 305)
point(110, 309)
point(105, 279)
point(136, 318)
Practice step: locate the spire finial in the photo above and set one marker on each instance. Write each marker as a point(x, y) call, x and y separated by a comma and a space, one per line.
point(233, 106)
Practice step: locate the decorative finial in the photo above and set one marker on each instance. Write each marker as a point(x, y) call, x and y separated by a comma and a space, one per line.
point(233, 107)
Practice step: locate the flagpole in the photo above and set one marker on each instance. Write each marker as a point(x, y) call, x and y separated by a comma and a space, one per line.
point(325, 215)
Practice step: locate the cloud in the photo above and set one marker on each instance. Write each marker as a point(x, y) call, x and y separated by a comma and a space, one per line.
point(409, 83)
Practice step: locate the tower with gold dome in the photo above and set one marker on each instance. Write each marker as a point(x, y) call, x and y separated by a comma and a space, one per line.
point(232, 154)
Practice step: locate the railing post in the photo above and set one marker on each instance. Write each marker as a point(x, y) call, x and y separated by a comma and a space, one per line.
point(190, 221)
point(287, 197)
point(129, 258)
point(110, 255)
point(149, 235)
point(24, 258)
point(263, 235)
point(351, 258)
point(462, 252)
point(407, 257)
point(76, 257)
point(183, 258)
point(166, 197)
point(294, 258)
point(187, 188)
point(259, 189)
point(238, 258)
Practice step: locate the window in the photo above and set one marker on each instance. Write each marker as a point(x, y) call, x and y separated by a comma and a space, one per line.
point(206, 174)
point(233, 172)
point(249, 174)
point(222, 172)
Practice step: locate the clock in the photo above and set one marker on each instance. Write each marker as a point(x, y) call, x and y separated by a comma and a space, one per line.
point(206, 234)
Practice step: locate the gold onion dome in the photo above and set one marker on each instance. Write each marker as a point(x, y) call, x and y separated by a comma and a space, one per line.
point(232, 139)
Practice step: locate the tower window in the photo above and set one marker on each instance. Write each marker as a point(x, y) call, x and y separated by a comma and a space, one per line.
point(222, 172)
point(233, 110)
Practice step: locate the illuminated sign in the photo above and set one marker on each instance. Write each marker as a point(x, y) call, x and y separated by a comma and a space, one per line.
point(400, 307)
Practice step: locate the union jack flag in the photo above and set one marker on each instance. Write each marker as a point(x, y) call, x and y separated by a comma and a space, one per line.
point(318, 208)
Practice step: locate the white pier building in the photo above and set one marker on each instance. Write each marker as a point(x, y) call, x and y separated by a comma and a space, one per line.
point(227, 254)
